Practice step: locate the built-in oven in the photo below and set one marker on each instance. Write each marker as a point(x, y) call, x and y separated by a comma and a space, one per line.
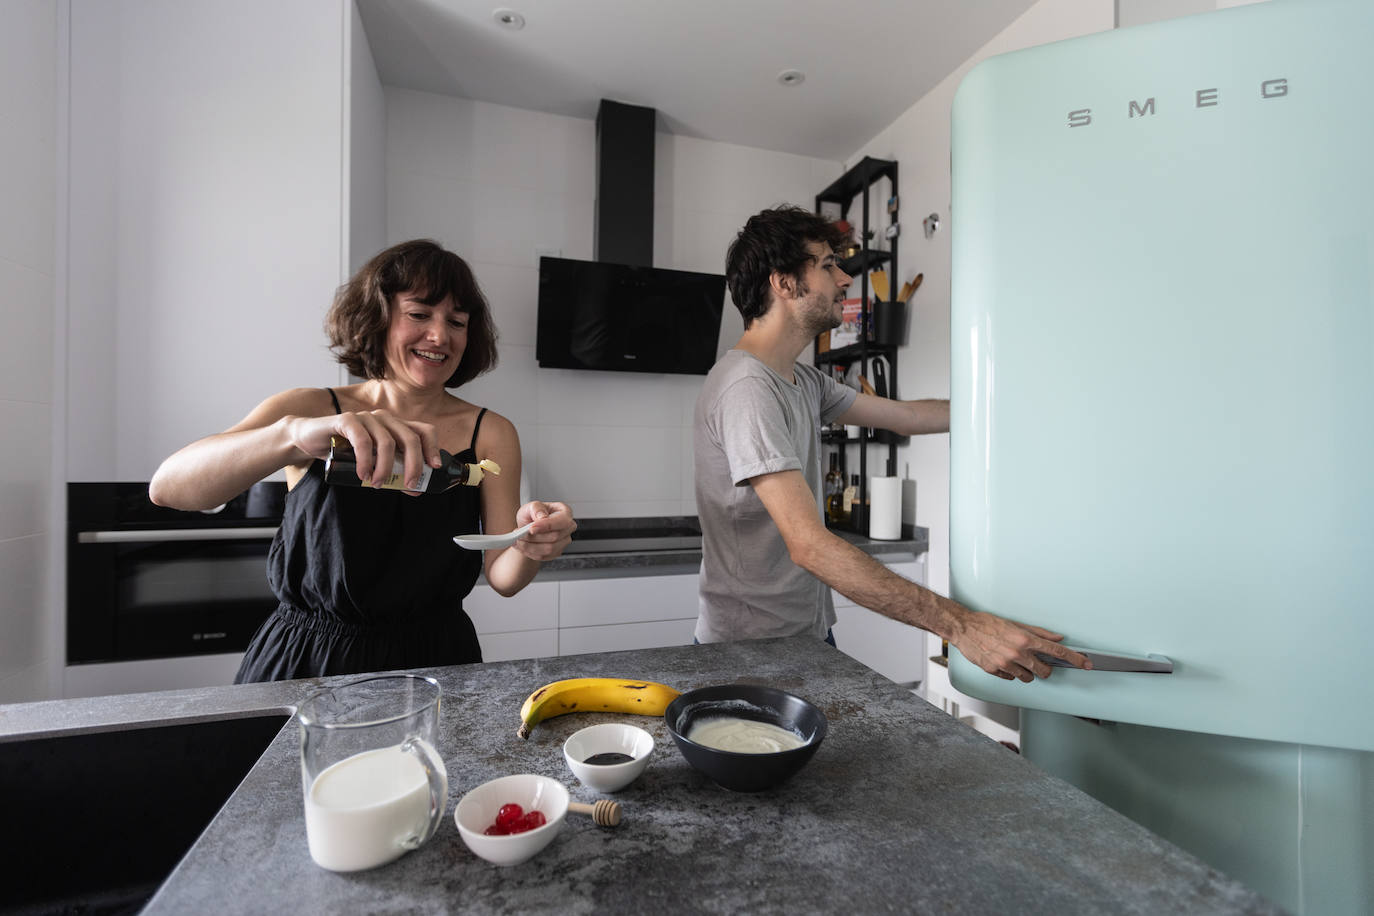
point(145, 582)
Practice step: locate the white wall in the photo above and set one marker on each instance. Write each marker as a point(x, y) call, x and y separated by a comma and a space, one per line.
point(365, 153)
point(498, 185)
point(207, 232)
point(28, 214)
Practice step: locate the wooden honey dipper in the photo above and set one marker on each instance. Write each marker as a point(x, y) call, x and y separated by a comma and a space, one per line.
point(605, 813)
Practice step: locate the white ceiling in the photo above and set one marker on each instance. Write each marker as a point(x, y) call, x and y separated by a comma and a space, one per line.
point(709, 67)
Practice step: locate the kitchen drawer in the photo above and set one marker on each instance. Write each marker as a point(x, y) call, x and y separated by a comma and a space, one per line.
point(895, 650)
point(640, 599)
point(503, 647)
point(535, 607)
point(581, 640)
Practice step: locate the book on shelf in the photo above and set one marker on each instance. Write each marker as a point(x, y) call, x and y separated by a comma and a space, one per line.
point(851, 324)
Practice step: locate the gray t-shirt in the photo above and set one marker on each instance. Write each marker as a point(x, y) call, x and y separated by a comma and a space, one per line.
point(752, 421)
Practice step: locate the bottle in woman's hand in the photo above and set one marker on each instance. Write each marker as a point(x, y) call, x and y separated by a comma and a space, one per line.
point(341, 468)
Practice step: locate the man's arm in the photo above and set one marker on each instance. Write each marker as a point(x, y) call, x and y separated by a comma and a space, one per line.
point(1001, 647)
point(906, 418)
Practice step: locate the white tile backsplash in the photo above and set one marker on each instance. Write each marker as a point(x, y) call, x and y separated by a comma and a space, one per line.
point(511, 389)
point(688, 387)
point(701, 237)
point(567, 156)
point(687, 477)
point(21, 637)
point(423, 206)
point(563, 223)
point(623, 399)
point(26, 351)
point(29, 190)
point(28, 158)
point(507, 148)
point(625, 508)
point(26, 474)
point(512, 293)
point(497, 184)
point(505, 222)
point(609, 463)
point(430, 134)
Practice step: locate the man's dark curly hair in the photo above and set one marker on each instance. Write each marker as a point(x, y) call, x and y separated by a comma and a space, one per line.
point(773, 241)
point(357, 321)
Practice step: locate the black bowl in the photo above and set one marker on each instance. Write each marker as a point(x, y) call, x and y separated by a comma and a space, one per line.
point(746, 772)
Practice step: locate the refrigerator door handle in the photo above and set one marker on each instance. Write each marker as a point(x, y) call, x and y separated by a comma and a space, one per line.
point(1115, 661)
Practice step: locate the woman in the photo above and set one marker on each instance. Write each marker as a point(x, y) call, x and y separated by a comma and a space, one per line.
point(370, 579)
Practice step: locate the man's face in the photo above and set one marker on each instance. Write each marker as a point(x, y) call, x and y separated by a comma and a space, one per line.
point(822, 290)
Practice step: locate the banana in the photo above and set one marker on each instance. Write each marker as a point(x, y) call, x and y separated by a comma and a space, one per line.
point(594, 694)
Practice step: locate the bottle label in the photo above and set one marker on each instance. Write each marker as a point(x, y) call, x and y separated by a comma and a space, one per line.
point(396, 480)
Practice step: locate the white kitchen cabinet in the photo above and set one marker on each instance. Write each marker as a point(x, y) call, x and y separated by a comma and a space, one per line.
point(651, 635)
point(524, 625)
point(535, 607)
point(183, 673)
point(593, 602)
point(574, 616)
point(893, 649)
point(638, 612)
point(504, 647)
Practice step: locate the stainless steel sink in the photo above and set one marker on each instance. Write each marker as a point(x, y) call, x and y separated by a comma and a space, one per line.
point(95, 821)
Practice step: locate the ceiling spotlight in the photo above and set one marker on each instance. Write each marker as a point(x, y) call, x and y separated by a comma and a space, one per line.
point(508, 19)
point(791, 77)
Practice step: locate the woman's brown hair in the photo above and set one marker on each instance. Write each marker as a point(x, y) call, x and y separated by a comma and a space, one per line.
point(357, 321)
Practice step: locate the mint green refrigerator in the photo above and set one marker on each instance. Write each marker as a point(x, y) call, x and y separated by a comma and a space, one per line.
point(1162, 424)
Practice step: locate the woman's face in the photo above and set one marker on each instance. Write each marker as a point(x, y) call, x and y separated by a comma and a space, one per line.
point(424, 343)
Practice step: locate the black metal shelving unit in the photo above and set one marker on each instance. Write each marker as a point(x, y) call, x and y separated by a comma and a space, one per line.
point(858, 182)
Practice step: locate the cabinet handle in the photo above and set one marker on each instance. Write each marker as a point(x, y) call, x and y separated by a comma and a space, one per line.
point(1115, 661)
point(174, 534)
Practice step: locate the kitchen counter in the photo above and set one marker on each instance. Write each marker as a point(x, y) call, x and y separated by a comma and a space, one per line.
point(673, 543)
point(902, 809)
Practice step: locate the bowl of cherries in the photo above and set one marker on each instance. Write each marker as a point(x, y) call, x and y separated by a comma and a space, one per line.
point(509, 820)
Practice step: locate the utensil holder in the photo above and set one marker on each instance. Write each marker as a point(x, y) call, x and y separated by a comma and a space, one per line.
point(889, 323)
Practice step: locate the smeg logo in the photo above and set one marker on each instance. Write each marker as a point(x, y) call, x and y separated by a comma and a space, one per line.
point(1202, 98)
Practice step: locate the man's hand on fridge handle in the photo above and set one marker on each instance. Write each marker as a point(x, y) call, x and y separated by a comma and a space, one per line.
point(1009, 649)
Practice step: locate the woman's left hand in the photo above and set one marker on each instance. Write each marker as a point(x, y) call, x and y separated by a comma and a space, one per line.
point(553, 529)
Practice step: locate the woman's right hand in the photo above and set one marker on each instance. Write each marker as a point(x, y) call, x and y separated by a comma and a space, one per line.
point(378, 437)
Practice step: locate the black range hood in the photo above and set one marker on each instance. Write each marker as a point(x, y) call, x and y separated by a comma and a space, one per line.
point(618, 312)
point(624, 220)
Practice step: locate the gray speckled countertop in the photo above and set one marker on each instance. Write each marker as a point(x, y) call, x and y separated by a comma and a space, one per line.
point(902, 809)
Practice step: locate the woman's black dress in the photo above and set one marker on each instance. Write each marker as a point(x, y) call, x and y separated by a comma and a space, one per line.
point(368, 580)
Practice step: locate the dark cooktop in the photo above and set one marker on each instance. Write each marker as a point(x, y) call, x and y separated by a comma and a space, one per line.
point(592, 537)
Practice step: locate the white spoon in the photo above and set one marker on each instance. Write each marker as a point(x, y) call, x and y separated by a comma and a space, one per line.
point(491, 541)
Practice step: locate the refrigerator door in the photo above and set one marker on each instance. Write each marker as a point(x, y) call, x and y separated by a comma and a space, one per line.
point(1163, 367)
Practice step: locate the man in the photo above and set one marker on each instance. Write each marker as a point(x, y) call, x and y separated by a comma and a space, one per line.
point(768, 561)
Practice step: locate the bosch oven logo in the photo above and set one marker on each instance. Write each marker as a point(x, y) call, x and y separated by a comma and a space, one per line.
point(1202, 98)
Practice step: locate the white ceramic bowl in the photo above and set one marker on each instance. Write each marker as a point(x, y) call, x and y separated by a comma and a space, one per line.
point(608, 738)
point(477, 810)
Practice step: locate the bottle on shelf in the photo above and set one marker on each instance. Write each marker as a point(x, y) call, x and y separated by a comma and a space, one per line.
point(834, 490)
point(850, 494)
point(341, 469)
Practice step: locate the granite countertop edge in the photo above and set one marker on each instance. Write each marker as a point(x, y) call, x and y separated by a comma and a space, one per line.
point(917, 543)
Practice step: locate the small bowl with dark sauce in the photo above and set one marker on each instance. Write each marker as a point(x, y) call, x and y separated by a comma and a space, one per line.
point(608, 757)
